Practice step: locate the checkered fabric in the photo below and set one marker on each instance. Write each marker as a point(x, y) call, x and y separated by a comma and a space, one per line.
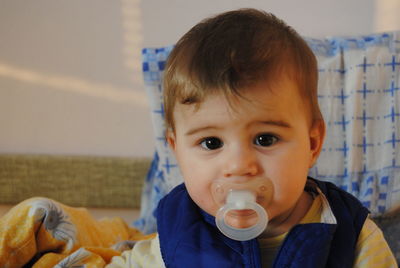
point(358, 95)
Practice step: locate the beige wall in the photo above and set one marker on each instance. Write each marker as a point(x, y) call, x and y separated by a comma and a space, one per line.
point(70, 80)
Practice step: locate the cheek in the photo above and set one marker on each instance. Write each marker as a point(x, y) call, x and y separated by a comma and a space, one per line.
point(201, 195)
point(289, 173)
point(297, 157)
point(293, 171)
point(198, 177)
point(291, 162)
point(192, 170)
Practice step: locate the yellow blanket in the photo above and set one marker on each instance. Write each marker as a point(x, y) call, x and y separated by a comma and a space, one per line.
point(43, 233)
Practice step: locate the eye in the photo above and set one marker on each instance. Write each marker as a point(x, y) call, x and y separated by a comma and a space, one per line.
point(265, 140)
point(211, 143)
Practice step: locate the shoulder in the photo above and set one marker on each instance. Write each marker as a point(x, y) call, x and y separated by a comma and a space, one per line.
point(169, 207)
point(372, 249)
point(174, 197)
point(145, 253)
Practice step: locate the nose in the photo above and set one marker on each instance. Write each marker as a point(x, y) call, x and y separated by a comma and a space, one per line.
point(241, 162)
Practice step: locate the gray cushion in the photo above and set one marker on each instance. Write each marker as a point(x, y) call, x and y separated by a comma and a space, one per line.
point(87, 181)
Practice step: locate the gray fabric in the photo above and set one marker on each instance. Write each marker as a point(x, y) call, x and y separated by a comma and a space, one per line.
point(109, 182)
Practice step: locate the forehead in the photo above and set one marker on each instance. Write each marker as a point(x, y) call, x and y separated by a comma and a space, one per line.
point(281, 99)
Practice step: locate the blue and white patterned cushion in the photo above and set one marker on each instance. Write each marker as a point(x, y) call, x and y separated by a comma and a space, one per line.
point(359, 96)
point(164, 173)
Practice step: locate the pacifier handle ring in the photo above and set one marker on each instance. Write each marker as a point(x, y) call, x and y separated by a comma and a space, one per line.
point(242, 234)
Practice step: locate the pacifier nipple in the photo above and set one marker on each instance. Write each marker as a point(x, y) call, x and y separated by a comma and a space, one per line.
point(240, 217)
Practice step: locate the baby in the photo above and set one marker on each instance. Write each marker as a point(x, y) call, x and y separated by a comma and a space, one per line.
point(242, 117)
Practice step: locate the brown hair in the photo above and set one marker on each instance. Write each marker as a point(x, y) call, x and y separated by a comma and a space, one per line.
point(234, 50)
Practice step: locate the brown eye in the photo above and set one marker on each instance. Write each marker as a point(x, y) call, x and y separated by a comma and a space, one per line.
point(265, 140)
point(211, 143)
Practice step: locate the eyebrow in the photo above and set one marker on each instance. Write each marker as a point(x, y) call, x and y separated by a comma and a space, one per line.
point(200, 129)
point(278, 123)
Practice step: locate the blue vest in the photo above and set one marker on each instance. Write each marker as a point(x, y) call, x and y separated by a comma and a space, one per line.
point(189, 238)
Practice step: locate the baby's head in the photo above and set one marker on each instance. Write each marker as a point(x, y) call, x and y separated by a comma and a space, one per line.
point(240, 98)
point(230, 52)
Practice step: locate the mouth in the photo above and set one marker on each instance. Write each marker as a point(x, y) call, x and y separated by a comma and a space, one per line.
point(242, 213)
point(241, 218)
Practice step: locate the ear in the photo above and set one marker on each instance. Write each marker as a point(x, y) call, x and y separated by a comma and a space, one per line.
point(171, 139)
point(317, 136)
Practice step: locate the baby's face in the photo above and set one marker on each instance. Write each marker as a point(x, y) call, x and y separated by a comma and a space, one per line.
point(266, 133)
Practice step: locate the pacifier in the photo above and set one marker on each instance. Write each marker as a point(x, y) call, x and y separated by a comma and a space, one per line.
point(241, 215)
